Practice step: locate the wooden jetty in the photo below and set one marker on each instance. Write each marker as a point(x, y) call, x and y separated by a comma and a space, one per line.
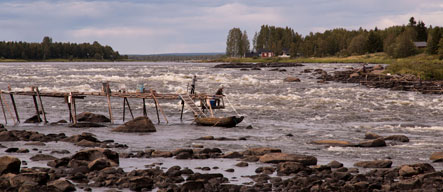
point(70, 98)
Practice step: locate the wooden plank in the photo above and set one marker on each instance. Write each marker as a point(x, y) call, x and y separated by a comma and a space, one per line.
point(108, 95)
point(41, 105)
point(7, 107)
point(15, 107)
point(36, 107)
point(73, 110)
point(129, 107)
point(157, 104)
point(124, 107)
point(3, 110)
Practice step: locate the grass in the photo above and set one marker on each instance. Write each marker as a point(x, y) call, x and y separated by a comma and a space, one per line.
point(427, 67)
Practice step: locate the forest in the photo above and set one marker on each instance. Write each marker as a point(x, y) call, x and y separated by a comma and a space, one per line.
point(395, 41)
point(47, 50)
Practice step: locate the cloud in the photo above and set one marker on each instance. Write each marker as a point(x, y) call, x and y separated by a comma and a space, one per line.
point(158, 26)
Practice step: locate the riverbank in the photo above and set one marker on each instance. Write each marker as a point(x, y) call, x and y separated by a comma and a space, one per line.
point(61, 60)
point(427, 67)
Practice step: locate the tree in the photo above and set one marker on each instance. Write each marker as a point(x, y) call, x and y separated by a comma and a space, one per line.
point(404, 46)
point(433, 40)
point(244, 44)
point(375, 43)
point(358, 45)
point(412, 22)
point(422, 31)
point(440, 49)
point(233, 43)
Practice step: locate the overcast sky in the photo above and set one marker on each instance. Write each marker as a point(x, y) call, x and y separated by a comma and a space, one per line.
point(173, 26)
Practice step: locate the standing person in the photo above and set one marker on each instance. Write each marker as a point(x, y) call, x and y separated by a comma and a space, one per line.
point(219, 92)
point(194, 79)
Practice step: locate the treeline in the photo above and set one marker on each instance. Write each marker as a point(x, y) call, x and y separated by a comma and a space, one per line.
point(57, 50)
point(396, 41)
point(175, 58)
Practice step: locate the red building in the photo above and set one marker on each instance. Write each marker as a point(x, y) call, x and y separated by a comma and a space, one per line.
point(267, 54)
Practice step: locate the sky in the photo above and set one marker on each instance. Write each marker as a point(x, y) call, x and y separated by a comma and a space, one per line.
point(190, 26)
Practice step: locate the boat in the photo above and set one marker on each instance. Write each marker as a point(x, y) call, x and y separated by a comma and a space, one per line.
point(231, 121)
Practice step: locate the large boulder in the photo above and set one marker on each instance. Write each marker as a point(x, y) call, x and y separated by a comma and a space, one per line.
point(415, 169)
point(370, 135)
point(33, 178)
point(374, 164)
point(261, 151)
point(139, 124)
point(283, 157)
point(9, 164)
point(97, 153)
point(91, 117)
point(8, 136)
point(401, 138)
point(437, 156)
point(43, 157)
point(34, 119)
point(286, 168)
point(333, 143)
point(373, 143)
point(291, 79)
point(62, 185)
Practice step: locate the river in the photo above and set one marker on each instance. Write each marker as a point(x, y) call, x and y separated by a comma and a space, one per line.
point(307, 110)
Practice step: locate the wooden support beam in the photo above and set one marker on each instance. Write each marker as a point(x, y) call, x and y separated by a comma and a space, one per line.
point(157, 105)
point(124, 106)
point(129, 107)
point(71, 120)
point(15, 107)
point(7, 107)
point(71, 100)
point(36, 106)
point(183, 107)
point(144, 108)
point(108, 95)
point(3, 110)
point(41, 105)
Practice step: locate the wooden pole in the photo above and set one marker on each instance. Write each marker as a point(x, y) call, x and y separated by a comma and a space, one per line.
point(15, 107)
point(70, 109)
point(129, 107)
point(3, 110)
point(74, 113)
point(157, 105)
point(36, 105)
point(144, 108)
point(7, 107)
point(41, 105)
point(108, 95)
point(124, 106)
point(183, 107)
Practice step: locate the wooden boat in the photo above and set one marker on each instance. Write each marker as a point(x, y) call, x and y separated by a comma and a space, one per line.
point(231, 121)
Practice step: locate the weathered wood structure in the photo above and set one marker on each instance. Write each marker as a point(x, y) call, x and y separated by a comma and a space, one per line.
point(71, 97)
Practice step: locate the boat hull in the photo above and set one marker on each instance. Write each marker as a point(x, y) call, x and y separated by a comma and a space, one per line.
point(231, 121)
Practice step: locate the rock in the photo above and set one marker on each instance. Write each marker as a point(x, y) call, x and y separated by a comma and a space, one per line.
point(261, 151)
point(83, 136)
point(34, 119)
point(9, 164)
point(415, 169)
point(230, 170)
point(401, 138)
point(291, 79)
point(43, 157)
point(139, 124)
point(138, 183)
point(378, 67)
point(205, 177)
point(242, 164)
point(99, 164)
point(333, 143)
point(62, 185)
point(436, 156)
point(33, 178)
point(354, 75)
point(64, 151)
point(232, 155)
point(157, 153)
point(2, 126)
point(16, 150)
point(283, 157)
point(286, 168)
point(370, 135)
point(91, 117)
point(8, 136)
point(193, 186)
point(335, 164)
point(250, 158)
point(86, 143)
point(373, 143)
point(206, 138)
point(374, 164)
point(86, 125)
point(96, 153)
point(37, 143)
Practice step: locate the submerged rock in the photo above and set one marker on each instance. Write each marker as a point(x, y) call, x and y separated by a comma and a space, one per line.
point(283, 157)
point(91, 117)
point(401, 138)
point(139, 124)
point(43, 157)
point(373, 143)
point(34, 119)
point(291, 79)
point(374, 164)
point(333, 143)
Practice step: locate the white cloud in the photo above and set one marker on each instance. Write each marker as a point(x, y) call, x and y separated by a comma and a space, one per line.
point(119, 32)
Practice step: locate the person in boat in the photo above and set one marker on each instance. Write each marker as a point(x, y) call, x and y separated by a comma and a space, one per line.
point(219, 92)
point(194, 79)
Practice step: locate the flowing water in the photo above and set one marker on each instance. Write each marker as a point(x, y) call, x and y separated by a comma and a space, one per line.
point(308, 110)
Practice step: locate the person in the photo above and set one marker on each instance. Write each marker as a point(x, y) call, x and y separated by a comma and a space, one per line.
point(219, 92)
point(194, 79)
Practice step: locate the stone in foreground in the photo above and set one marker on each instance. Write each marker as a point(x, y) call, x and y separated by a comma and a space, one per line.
point(139, 124)
point(283, 157)
point(9, 164)
point(374, 164)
